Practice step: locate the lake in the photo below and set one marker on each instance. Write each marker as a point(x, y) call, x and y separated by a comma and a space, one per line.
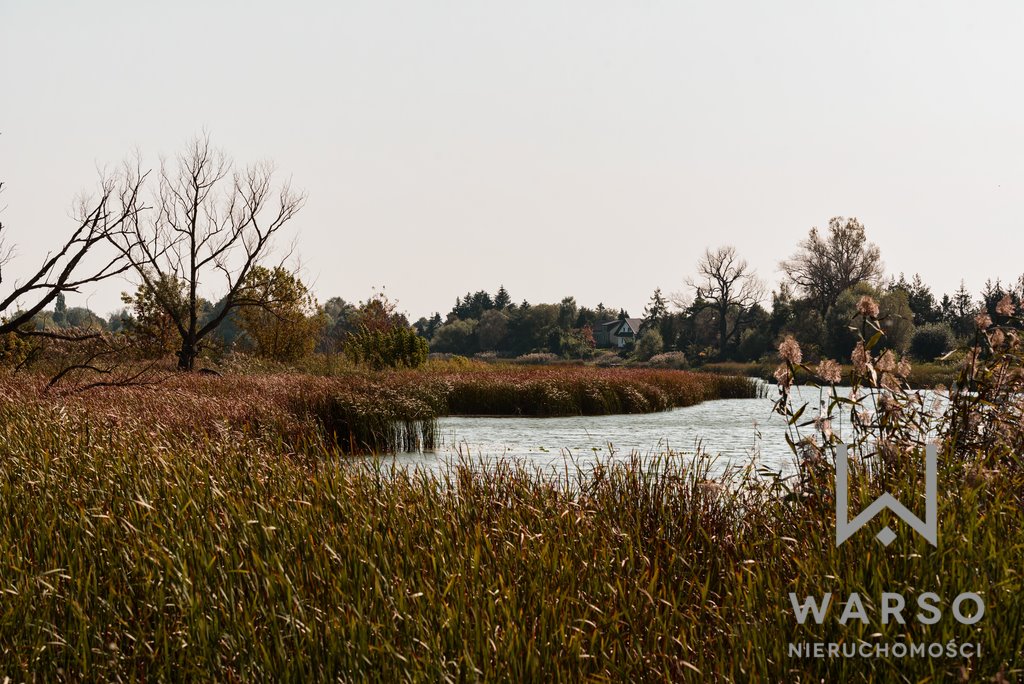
point(733, 429)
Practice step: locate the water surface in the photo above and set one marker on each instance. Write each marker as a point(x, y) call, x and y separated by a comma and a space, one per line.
point(734, 430)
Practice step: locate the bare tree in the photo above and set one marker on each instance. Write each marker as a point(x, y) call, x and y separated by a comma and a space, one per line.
point(727, 285)
point(211, 222)
point(825, 265)
point(68, 268)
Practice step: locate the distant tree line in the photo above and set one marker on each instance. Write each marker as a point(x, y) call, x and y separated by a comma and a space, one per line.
point(722, 312)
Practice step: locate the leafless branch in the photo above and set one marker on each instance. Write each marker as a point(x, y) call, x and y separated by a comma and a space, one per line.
point(825, 265)
point(64, 270)
point(726, 284)
point(210, 219)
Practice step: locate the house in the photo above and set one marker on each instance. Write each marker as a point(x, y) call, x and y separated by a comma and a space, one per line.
point(617, 333)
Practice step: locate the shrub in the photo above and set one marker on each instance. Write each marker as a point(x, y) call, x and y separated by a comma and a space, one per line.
point(931, 341)
point(537, 358)
point(649, 345)
point(399, 347)
point(457, 337)
point(676, 360)
point(288, 326)
point(13, 350)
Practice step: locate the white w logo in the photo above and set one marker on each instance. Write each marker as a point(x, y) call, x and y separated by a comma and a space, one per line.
point(928, 530)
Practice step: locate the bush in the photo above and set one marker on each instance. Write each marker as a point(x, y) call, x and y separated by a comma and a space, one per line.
point(754, 343)
point(13, 350)
point(457, 337)
point(399, 347)
point(536, 358)
point(649, 345)
point(676, 360)
point(931, 341)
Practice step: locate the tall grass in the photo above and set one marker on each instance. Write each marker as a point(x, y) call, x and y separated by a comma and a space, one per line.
point(214, 530)
point(390, 411)
point(144, 553)
point(924, 375)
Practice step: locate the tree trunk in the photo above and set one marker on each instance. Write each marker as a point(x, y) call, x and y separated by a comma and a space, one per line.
point(723, 332)
point(187, 355)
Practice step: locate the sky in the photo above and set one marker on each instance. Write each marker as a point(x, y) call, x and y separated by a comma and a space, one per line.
point(558, 147)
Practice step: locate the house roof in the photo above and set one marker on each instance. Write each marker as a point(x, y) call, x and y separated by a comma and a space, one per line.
point(633, 323)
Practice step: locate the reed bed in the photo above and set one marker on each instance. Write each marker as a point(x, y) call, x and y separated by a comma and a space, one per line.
point(580, 390)
point(138, 551)
point(380, 412)
point(213, 528)
point(924, 375)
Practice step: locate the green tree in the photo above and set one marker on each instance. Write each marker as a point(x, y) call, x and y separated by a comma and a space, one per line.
point(961, 311)
point(931, 341)
point(340, 322)
point(649, 344)
point(843, 323)
point(578, 343)
point(532, 328)
point(655, 311)
point(288, 324)
point(502, 300)
point(809, 328)
point(456, 337)
point(567, 313)
point(60, 310)
point(920, 299)
point(491, 330)
point(152, 325)
point(83, 319)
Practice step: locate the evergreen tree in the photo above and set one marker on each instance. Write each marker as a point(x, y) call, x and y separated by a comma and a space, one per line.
point(567, 312)
point(991, 295)
point(782, 310)
point(502, 299)
point(655, 311)
point(946, 308)
point(478, 303)
point(60, 311)
point(922, 302)
point(961, 311)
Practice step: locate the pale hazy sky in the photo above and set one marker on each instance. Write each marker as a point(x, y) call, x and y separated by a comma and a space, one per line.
point(588, 148)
